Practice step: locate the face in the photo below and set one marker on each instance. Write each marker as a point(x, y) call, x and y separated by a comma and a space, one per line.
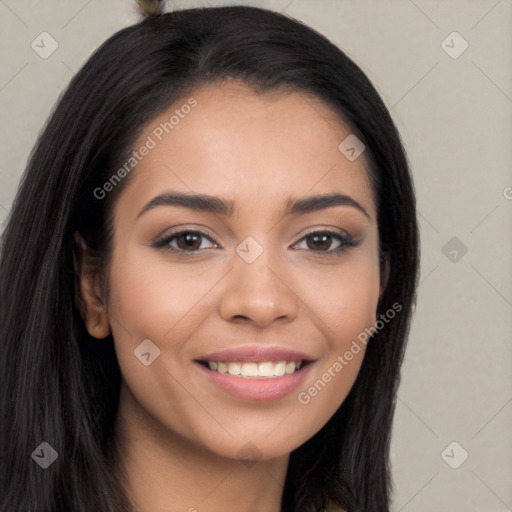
point(254, 273)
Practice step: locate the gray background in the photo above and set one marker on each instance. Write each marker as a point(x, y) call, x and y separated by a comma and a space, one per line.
point(454, 115)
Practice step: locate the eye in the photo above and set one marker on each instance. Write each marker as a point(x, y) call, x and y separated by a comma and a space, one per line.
point(186, 241)
point(191, 241)
point(321, 241)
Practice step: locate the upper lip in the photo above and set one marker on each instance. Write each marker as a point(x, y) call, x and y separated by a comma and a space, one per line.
point(257, 354)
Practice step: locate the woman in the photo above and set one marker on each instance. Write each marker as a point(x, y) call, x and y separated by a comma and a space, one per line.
point(207, 278)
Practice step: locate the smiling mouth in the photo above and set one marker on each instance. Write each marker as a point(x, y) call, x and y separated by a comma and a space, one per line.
point(263, 369)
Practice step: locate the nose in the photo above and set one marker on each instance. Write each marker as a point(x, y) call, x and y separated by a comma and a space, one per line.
point(258, 292)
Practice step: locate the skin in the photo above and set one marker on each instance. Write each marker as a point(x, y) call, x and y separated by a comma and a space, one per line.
point(180, 434)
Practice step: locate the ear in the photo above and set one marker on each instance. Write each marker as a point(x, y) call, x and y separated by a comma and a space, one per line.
point(88, 291)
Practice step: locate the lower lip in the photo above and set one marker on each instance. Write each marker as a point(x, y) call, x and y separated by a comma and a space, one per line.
point(252, 388)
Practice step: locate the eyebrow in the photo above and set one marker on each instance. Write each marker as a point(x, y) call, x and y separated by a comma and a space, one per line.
point(212, 204)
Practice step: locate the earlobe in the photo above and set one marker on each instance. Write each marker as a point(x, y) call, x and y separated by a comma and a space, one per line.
point(99, 327)
point(89, 299)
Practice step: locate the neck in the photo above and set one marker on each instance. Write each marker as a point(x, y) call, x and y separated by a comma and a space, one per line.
point(165, 472)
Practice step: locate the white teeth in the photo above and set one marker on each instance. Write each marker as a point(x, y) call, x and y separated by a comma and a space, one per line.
point(234, 368)
point(249, 370)
point(263, 369)
point(267, 369)
point(290, 367)
point(280, 368)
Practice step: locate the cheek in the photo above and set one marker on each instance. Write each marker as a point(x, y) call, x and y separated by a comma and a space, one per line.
point(344, 303)
point(156, 301)
point(152, 300)
point(343, 297)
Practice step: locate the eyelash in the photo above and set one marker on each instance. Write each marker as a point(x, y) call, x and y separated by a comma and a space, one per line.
point(346, 242)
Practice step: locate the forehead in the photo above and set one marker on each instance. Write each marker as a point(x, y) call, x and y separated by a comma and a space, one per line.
point(249, 146)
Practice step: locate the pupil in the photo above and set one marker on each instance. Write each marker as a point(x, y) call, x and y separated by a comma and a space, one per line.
point(324, 240)
point(190, 240)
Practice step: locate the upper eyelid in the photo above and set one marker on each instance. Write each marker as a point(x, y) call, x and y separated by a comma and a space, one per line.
point(181, 229)
point(337, 231)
